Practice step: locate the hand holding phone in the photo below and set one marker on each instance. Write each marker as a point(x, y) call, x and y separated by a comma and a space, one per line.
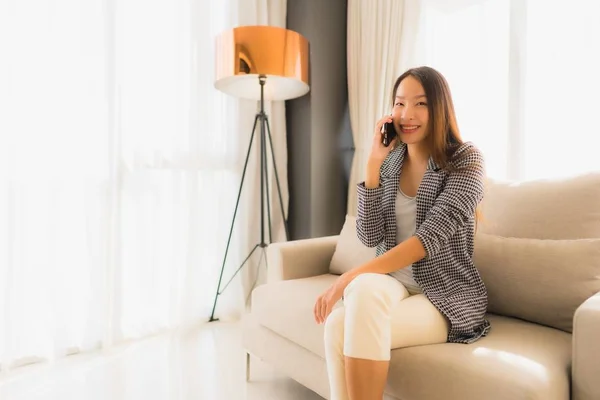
point(384, 139)
point(389, 133)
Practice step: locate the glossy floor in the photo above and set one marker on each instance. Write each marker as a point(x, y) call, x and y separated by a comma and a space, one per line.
point(206, 363)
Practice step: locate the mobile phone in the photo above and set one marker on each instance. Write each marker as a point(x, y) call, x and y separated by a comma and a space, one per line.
point(389, 133)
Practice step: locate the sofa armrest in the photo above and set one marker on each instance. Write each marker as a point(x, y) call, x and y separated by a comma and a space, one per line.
point(586, 350)
point(300, 258)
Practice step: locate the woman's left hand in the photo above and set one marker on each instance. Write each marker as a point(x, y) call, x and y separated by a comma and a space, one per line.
point(327, 300)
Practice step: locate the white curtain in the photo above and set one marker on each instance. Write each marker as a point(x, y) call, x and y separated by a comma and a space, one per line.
point(56, 184)
point(560, 88)
point(469, 43)
point(380, 34)
point(119, 170)
point(524, 86)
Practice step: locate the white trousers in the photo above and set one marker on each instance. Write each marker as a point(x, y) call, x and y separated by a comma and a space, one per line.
point(378, 315)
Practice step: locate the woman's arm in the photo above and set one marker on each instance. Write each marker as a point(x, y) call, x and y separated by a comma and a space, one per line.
point(369, 219)
point(457, 203)
point(404, 254)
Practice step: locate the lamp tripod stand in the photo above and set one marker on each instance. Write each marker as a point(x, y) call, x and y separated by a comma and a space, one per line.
point(265, 132)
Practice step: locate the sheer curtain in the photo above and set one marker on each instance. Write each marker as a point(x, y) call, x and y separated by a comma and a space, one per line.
point(380, 34)
point(120, 165)
point(468, 42)
point(524, 87)
point(560, 88)
point(55, 179)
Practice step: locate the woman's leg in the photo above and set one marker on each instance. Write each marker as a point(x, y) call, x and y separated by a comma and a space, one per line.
point(338, 364)
point(368, 301)
point(416, 322)
point(334, 354)
point(367, 378)
point(358, 362)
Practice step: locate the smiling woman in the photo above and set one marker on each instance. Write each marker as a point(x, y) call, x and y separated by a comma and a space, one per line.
point(418, 207)
point(423, 112)
point(410, 112)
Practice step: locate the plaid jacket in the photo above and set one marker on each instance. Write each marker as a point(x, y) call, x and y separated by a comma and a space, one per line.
point(445, 225)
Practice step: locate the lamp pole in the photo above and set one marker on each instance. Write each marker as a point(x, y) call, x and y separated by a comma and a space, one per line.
point(265, 131)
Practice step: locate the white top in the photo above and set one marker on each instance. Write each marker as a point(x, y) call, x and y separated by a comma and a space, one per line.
point(406, 221)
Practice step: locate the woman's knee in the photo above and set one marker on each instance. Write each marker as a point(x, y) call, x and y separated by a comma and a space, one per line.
point(367, 286)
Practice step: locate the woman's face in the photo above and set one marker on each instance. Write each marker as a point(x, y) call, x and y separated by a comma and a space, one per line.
point(410, 113)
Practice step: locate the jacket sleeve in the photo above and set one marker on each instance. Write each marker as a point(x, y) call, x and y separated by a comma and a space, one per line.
point(453, 208)
point(369, 219)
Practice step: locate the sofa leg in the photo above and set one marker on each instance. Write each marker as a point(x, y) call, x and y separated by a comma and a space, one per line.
point(247, 367)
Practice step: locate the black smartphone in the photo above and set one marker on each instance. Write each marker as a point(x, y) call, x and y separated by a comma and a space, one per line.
point(389, 133)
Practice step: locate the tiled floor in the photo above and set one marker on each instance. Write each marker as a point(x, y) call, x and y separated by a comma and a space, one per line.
point(204, 363)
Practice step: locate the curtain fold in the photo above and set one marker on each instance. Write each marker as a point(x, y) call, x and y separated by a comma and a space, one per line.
point(469, 42)
point(379, 46)
point(119, 170)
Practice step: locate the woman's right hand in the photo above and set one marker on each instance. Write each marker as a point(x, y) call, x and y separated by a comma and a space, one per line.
point(379, 152)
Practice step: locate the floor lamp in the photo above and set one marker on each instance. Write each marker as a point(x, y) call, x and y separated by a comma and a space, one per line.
point(260, 63)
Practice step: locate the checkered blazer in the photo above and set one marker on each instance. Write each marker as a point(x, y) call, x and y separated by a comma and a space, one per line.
point(445, 225)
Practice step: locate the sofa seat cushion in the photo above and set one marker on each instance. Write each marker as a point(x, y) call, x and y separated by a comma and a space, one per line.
point(517, 360)
point(286, 307)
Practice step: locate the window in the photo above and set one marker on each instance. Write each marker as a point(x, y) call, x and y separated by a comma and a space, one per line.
point(525, 87)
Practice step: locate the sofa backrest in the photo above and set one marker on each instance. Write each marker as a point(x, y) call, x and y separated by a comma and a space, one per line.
point(567, 208)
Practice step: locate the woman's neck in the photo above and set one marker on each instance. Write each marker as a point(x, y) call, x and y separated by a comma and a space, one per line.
point(418, 153)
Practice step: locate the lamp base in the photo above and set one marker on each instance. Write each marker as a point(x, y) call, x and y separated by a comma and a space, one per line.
point(263, 247)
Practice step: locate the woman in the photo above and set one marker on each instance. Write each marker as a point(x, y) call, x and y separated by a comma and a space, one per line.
point(418, 206)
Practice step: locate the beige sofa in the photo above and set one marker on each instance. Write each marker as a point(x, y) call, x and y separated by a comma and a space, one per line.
point(538, 251)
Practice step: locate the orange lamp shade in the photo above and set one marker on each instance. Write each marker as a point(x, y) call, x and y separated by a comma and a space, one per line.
point(244, 53)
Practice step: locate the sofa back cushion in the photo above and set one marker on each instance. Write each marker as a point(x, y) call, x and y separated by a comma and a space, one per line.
point(542, 281)
point(567, 208)
point(349, 252)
